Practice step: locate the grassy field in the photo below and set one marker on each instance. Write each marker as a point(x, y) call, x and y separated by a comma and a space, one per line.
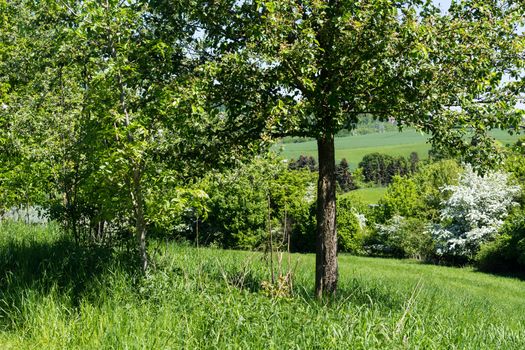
point(368, 195)
point(353, 148)
point(55, 295)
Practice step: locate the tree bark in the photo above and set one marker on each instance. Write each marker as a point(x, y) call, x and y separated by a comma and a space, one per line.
point(140, 223)
point(326, 273)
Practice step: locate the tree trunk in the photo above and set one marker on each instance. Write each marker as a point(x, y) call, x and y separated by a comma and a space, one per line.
point(326, 249)
point(140, 223)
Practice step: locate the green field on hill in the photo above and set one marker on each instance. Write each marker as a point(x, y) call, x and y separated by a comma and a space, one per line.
point(353, 148)
point(55, 294)
point(368, 195)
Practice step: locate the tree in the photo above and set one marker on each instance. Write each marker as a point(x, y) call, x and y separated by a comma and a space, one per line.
point(310, 68)
point(474, 212)
point(344, 176)
point(303, 162)
point(105, 110)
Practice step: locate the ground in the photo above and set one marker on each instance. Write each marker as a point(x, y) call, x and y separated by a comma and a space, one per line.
point(56, 295)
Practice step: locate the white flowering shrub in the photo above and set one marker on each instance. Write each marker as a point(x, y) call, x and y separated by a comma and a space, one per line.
point(473, 213)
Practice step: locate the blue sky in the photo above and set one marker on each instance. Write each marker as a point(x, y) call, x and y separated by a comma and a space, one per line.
point(443, 4)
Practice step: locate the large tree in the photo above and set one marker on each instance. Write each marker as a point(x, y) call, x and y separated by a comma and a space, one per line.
point(100, 111)
point(312, 67)
point(84, 110)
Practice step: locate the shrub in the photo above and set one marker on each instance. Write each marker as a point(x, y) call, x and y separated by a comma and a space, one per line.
point(430, 179)
point(474, 212)
point(402, 238)
point(506, 253)
point(351, 226)
point(237, 215)
point(401, 198)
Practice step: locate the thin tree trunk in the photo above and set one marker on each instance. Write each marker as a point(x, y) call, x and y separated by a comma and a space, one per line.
point(197, 231)
point(140, 223)
point(326, 273)
point(136, 191)
point(271, 239)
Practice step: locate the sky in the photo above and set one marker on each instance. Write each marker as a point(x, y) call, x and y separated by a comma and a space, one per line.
point(443, 4)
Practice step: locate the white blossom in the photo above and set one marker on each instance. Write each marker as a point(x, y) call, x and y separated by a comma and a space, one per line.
point(474, 212)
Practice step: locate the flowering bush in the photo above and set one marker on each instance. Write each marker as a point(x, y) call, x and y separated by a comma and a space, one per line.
point(473, 213)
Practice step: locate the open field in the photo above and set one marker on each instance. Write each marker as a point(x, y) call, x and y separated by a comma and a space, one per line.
point(353, 148)
point(368, 195)
point(55, 295)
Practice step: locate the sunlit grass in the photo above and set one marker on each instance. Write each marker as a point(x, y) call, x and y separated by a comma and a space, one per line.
point(367, 195)
point(55, 295)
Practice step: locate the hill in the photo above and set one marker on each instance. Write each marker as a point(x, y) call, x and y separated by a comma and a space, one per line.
point(353, 148)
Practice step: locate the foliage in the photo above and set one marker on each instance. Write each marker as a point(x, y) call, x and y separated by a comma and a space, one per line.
point(303, 162)
point(344, 177)
point(239, 199)
point(414, 162)
point(430, 181)
point(515, 163)
point(402, 238)
point(381, 168)
point(295, 55)
point(312, 68)
point(474, 212)
point(506, 253)
point(401, 198)
point(351, 225)
point(103, 123)
point(420, 195)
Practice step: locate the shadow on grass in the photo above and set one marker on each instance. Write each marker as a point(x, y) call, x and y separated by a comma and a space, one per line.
point(61, 265)
point(520, 275)
point(499, 270)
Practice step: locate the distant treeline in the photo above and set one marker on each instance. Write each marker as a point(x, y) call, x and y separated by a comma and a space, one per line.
point(366, 125)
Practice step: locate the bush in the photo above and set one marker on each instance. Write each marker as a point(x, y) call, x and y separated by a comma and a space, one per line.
point(237, 215)
point(506, 253)
point(401, 198)
point(401, 238)
point(474, 213)
point(429, 181)
point(351, 226)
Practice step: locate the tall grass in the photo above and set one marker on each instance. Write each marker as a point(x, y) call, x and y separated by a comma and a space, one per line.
point(56, 295)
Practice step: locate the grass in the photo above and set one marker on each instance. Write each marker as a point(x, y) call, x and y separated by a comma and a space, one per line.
point(367, 195)
point(394, 143)
point(55, 295)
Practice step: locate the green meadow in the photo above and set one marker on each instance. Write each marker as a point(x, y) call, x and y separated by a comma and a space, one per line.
point(353, 148)
point(368, 195)
point(55, 294)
